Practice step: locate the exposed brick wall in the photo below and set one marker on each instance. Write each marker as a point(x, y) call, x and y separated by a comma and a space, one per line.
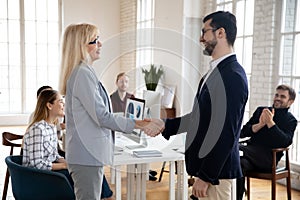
point(128, 41)
point(263, 77)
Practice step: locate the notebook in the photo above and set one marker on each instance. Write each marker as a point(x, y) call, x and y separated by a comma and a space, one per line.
point(147, 153)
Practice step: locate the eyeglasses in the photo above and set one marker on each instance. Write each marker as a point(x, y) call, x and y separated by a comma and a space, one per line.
point(209, 29)
point(95, 41)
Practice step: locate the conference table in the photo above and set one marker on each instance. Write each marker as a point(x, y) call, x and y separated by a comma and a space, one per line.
point(137, 169)
point(137, 172)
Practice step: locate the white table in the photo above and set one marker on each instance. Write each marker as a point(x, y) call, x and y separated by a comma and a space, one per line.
point(137, 173)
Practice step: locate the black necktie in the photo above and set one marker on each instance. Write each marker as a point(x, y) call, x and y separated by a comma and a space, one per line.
point(106, 101)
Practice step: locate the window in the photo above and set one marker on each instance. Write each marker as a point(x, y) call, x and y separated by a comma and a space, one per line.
point(289, 70)
point(145, 23)
point(29, 46)
point(244, 11)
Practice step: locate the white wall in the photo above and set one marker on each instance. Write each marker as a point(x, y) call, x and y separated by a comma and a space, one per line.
point(105, 14)
point(168, 24)
point(169, 21)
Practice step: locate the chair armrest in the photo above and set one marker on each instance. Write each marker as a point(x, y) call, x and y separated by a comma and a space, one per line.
point(274, 161)
point(280, 149)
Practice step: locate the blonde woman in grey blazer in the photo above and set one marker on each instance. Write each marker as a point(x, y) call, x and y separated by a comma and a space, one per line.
point(89, 121)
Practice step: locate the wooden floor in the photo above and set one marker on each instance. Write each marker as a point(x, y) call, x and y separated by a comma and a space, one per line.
point(260, 189)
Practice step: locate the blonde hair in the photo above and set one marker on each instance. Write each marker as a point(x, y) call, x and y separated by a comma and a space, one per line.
point(74, 50)
point(41, 111)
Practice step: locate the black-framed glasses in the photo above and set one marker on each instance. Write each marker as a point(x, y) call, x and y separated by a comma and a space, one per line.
point(95, 41)
point(209, 29)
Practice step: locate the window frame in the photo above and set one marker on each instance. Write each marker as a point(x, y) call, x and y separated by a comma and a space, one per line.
point(289, 77)
point(222, 5)
point(25, 105)
point(144, 39)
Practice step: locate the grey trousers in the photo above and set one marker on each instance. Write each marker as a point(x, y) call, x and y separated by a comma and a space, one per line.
point(87, 181)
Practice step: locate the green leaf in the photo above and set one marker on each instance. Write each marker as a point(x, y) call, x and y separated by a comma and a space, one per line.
point(152, 76)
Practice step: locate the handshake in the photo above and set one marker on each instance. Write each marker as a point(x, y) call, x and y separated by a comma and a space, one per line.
point(151, 127)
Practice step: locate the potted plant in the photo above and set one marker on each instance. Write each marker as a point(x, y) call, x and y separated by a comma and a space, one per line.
point(152, 76)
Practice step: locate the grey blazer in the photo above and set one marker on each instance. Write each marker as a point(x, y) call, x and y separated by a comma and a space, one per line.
point(89, 122)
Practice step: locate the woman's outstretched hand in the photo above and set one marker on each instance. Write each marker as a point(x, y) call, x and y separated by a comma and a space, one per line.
point(151, 127)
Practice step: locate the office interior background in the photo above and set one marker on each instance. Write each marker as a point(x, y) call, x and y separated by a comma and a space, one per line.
point(136, 33)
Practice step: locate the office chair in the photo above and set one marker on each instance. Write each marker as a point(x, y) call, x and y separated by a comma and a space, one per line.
point(12, 140)
point(35, 184)
point(276, 174)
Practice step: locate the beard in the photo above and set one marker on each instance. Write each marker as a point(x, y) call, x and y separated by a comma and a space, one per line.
point(210, 47)
point(280, 104)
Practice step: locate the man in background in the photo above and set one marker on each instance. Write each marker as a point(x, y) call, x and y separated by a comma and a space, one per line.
point(118, 98)
point(268, 128)
point(118, 101)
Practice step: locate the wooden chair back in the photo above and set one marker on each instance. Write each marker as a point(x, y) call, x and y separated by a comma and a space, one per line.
point(276, 174)
point(12, 140)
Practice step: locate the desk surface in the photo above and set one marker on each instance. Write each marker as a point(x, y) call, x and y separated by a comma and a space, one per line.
point(126, 158)
point(137, 169)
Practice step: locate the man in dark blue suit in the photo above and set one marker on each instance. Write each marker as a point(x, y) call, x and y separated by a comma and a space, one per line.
point(213, 126)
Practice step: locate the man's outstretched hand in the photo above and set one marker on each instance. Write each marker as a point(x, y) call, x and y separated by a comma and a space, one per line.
point(151, 127)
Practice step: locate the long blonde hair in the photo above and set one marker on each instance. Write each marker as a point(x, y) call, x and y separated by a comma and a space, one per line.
point(74, 49)
point(41, 111)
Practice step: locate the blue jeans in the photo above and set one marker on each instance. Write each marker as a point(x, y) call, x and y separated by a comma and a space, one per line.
point(106, 191)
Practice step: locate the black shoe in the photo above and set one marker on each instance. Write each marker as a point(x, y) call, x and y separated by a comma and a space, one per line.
point(152, 172)
point(152, 178)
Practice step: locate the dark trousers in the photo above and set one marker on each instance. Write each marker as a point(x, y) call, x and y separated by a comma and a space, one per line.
point(240, 182)
point(106, 191)
point(254, 158)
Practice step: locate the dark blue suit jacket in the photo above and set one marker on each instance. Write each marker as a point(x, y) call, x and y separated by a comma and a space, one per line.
point(213, 127)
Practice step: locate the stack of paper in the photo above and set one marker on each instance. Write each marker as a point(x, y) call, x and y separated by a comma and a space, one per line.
point(147, 153)
point(118, 150)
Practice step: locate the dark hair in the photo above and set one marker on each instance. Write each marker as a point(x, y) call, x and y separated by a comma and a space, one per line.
point(292, 92)
point(45, 87)
point(226, 20)
point(120, 75)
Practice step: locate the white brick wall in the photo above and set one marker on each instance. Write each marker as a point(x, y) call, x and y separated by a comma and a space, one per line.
point(262, 81)
point(128, 42)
